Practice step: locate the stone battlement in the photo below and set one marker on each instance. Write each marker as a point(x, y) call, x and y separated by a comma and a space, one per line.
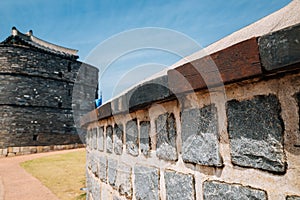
point(222, 126)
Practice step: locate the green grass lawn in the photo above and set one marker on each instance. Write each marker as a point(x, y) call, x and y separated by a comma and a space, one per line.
point(63, 174)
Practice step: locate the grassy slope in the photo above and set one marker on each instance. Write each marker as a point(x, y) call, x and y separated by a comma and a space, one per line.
point(63, 174)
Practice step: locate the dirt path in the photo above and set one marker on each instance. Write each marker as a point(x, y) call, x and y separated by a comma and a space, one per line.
point(17, 184)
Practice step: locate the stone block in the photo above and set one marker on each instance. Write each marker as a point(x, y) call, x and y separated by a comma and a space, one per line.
point(166, 137)
point(94, 165)
point(11, 154)
point(149, 92)
point(145, 137)
point(39, 149)
point(24, 149)
point(94, 138)
point(200, 137)
point(117, 198)
point(100, 138)
point(280, 49)
point(104, 111)
point(119, 105)
point(293, 198)
point(132, 146)
point(179, 186)
point(96, 190)
point(102, 168)
point(118, 139)
point(112, 171)
point(214, 190)
point(123, 181)
point(105, 194)
point(146, 183)
point(109, 139)
point(298, 101)
point(46, 148)
point(15, 149)
point(255, 132)
point(33, 149)
point(4, 152)
point(88, 139)
point(10, 150)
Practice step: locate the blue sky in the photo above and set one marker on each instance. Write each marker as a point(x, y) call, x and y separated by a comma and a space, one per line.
point(83, 25)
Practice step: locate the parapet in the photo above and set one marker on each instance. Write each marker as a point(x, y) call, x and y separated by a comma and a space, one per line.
point(224, 125)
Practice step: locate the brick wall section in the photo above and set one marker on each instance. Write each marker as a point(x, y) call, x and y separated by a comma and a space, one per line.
point(36, 103)
point(240, 141)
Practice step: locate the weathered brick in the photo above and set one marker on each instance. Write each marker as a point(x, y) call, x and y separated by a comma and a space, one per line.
point(179, 186)
point(145, 137)
point(132, 138)
point(109, 139)
point(213, 190)
point(102, 168)
point(112, 172)
point(100, 139)
point(239, 61)
point(118, 139)
point(146, 183)
point(255, 131)
point(166, 137)
point(200, 143)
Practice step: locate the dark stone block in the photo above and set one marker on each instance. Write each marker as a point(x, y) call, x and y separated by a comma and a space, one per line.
point(166, 137)
point(109, 139)
point(214, 190)
point(149, 92)
point(280, 49)
point(145, 137)
point(104, 111)
point(179, 186)
point(132, 145)
point(146, 183)
point(255, 131)
point(118, 139)
point(200, 139)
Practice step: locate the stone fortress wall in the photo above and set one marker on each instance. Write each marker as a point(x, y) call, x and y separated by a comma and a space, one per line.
point(36, 88)
point(172, 138)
